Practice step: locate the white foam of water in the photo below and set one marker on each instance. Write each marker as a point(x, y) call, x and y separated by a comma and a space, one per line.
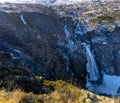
point(93, 73)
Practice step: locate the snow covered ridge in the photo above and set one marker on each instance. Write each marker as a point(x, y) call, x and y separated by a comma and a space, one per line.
point(51, 2)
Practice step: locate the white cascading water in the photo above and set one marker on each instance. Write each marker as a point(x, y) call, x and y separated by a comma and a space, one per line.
point(93, 73)
point(99, 84)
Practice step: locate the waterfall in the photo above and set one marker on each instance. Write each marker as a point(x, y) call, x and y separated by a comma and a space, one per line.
point(93, 73)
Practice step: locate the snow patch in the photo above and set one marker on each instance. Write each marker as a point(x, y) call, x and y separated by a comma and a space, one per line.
point(23, 20)
point(66, 31)
point(15, 54)
point(49, 2)
point(100, 40)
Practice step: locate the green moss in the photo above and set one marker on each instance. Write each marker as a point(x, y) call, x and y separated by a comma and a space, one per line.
point(117, 16)
point(99, 19)
point(50, 84)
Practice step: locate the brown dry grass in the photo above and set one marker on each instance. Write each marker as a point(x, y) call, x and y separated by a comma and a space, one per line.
point(18, 96)
point(63, 93)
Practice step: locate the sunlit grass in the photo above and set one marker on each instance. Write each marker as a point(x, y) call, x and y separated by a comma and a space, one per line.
point(60, 92)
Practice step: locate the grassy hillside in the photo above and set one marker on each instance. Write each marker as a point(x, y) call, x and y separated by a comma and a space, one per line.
point(63, 93)
point(107, 18)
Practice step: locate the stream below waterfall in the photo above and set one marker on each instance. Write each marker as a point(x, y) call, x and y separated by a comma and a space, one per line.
point(108, 85)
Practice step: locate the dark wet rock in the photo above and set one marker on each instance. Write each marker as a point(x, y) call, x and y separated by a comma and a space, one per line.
point(116, 61)
point(118, 91)
point(17, 71)
point(78, 63)
point(37, 49)
point(105, 45)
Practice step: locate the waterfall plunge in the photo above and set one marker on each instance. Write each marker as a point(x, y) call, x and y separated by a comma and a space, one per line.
point(93, 73)
point(104, 87)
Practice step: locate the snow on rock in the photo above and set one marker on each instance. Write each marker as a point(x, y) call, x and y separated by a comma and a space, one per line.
point(15, 54)
point(42, 1)
point(66, 30)
point(49, 2)
point(23, 20)
point(100, 40)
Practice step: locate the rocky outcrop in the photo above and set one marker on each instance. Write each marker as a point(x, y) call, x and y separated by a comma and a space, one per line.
point(32, 47)
point(19, 71)
point(106, 49)
point(104, 43)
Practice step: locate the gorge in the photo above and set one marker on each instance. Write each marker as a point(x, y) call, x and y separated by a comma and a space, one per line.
point(77, 43)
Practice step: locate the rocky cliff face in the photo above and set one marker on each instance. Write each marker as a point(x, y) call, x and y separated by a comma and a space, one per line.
point(32, 47)
point(43, 44)
point(106, 47)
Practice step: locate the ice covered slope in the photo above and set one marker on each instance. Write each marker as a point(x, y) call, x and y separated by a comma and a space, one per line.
point(49, 2)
